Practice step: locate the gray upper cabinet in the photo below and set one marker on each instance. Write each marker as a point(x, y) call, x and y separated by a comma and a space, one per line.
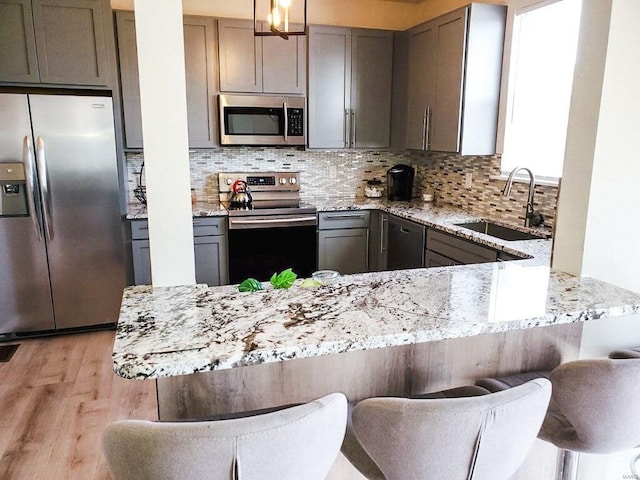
point(200, 66)
point(129, 79)
point(349, 87)
point(284, 65)
point(250, 64)
point(454, 68)
point(59, 42)
point(18, 60)
point(240, 70)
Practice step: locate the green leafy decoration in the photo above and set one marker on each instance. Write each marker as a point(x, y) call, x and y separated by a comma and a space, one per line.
point(283, 279)
point(250, 285)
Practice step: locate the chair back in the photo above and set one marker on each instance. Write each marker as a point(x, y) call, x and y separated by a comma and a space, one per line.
point(298, 442)
point(594, 406)
point(472, 438)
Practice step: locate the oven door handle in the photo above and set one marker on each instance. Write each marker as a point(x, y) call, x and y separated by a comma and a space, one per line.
point(309, 220)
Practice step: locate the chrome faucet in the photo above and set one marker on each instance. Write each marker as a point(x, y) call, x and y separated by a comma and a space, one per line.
point(532, 218)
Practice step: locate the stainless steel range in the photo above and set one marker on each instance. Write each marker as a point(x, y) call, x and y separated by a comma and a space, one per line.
point(275, 231)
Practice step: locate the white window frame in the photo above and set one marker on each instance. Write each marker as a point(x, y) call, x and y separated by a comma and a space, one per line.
point(515, 8)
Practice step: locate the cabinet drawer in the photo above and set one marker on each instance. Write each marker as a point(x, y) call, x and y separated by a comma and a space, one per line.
point(202, 227)
point(458, 249)
point(337, 220)
point(139, 230)
point(433, 259)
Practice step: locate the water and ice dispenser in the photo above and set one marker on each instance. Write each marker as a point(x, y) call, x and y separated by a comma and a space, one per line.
point(13, 190)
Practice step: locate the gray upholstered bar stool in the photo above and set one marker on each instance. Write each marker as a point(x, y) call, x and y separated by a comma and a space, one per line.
point(593, 407)
point(633, 352)
point(484, 437)
point(290, 444)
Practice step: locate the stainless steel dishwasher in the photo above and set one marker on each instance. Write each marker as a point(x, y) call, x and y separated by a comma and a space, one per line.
point(405, 243)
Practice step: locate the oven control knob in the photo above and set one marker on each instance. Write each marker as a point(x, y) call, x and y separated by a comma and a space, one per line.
point(292, 180)
point(283, 180)
point(229, 181)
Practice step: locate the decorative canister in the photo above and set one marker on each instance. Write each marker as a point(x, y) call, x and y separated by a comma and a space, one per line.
point(373, 188)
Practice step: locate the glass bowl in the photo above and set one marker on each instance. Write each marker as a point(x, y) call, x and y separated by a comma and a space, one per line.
point(326, 277)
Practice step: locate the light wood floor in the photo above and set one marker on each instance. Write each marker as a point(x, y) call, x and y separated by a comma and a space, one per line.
point(57, 394)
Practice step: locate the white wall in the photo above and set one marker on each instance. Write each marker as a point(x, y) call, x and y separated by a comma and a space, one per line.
point(598, 208)
point(599, 203)
point(163, 102)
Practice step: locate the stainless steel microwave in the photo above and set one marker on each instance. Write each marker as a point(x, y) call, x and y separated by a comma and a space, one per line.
point(261, 120)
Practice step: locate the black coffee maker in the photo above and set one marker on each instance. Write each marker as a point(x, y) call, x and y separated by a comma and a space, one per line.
point(400, 182)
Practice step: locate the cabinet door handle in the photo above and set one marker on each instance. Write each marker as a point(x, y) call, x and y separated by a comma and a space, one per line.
point(344, 217)
point(366, 258)
point(383, 231)
point(405, 230)
point(353, 129)
point(428, 128)
point(424, 128)
point(345, 128)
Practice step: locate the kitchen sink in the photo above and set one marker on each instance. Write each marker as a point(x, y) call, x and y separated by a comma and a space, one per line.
point(500, 231)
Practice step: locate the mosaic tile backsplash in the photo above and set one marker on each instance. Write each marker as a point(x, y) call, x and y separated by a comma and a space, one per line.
point(440, 174)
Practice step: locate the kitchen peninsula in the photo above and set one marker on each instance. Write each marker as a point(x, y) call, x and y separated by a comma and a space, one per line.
point(215, 350)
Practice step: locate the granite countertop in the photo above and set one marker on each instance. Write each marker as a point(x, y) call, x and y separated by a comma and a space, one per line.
point(439, 217)
point(138, 211)
point(187, 329)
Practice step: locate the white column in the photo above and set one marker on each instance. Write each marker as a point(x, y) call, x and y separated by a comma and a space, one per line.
point(160, 42)
point(598, 228)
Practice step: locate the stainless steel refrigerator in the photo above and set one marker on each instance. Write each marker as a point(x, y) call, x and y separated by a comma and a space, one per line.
point(61, 247)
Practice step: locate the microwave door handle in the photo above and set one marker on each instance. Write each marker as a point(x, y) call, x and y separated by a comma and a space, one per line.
point(286, 121)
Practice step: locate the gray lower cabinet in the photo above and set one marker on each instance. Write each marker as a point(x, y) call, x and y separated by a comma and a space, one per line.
point(210, 249)
point(378, 241)
point(343, 241)
point(61, 42)
point(405, 243)
point(200, 68)
point(443, 249)
point(250, 64)
point(349, 87)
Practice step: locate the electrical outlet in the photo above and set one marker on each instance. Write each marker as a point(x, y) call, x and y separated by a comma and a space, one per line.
point(333, 171)
point(468, 178)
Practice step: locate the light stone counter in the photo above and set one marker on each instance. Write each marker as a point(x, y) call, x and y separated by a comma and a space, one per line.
point(439, 217)
point(173, 331)
point(138, 211)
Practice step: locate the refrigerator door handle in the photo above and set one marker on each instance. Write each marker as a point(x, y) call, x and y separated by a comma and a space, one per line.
point(30, 174)
point(44, 187)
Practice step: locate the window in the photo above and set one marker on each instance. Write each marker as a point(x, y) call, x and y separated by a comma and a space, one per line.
point(543, 55)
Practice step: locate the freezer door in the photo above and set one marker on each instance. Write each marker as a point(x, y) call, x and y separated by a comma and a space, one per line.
point(25, 295)
point(77, 168)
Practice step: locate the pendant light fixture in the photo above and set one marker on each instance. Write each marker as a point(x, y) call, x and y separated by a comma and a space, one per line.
point(279, 18)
